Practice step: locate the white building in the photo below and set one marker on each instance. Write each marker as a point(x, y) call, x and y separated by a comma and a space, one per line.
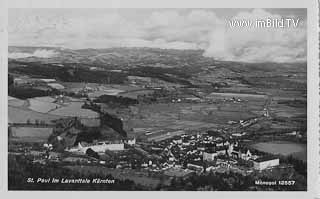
point(100, 147)
point(132, 142)
point(265, 162)
point(209, 156)
point(48, 80)
point(195, 167)
point(219, 144)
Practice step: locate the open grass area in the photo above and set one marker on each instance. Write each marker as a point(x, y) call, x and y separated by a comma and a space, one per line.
point(30, 134)
point(12, 101)
point(19, 115)
point(215, 95)
point(73, 109)
point(42, 106)
point(203, 113)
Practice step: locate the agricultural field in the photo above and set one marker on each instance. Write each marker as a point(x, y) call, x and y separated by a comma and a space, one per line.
point(15, 102)
point(30, 134)
point(73, 109)
point(77, 86)
point(47, 109)
point(45, 99)
point(104, 91)
point(19, 115)
point(135, 93)
point(242, 96)
point(289, 107)
point(42, 106)
point(177, 116)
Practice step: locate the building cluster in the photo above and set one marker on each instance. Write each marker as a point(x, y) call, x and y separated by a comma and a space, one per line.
point(208, 152)
point(179, 155)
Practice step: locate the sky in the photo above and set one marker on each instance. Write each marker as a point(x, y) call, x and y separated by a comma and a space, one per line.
point(206, 29)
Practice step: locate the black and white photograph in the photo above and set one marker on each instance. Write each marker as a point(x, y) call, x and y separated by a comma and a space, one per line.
point(158, 99)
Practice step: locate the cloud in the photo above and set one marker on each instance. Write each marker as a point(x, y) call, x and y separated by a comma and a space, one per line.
point(258, 44)
point(43, 53)
point(194, 26)
point(111, 29)
point(158, 28)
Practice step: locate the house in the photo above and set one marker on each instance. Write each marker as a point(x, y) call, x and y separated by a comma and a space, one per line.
point(75, 159)
point(265, 162)
point(211, 168)
point(244, 154)
point(239, 134)
point(239, 153)
point(221, 150)
point(201, 147)
point(132, 142)
point(223, 163)
point(234, 154)
point(222, 143)
point(178, 141)
point(209, 155)
point(54, 156)
point(219, 144)
point(195, 167)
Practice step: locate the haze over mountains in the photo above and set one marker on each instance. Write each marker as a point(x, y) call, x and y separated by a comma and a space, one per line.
point(54, 54)
point(108, 55)
point(205, 29)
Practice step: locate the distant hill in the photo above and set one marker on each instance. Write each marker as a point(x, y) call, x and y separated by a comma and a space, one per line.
point(185, 67)
point(117, 56)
